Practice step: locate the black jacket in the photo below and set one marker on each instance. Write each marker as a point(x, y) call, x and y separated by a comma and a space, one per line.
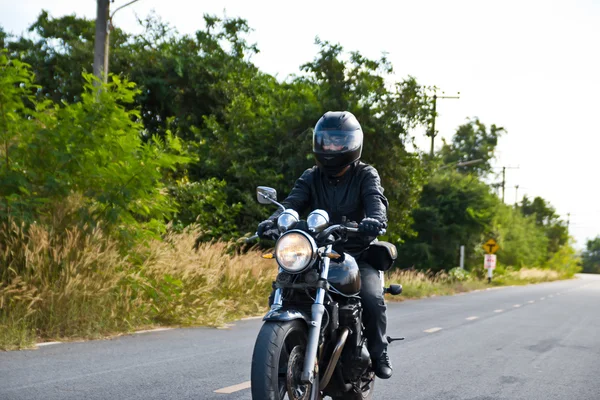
point(356, 194)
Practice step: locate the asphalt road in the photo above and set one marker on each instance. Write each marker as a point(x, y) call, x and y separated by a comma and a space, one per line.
point(533, 342)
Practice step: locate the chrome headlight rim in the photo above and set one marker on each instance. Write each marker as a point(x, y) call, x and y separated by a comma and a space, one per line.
point(313, 248)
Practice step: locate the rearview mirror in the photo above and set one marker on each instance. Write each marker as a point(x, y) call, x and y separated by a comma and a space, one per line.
point(263, 193)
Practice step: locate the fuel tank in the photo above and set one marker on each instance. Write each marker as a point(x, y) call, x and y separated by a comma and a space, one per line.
point(345, 275)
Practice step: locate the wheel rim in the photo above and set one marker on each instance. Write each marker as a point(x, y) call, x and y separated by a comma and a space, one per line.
point(296, 390)
point(292, 346)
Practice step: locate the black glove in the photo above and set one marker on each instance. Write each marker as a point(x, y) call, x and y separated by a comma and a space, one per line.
point(263, 227)
point(370, 226)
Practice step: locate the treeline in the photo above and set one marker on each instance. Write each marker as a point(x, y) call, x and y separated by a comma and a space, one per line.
point(188, 126)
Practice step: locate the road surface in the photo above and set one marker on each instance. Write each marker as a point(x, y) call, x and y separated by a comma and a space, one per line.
point(532, 342)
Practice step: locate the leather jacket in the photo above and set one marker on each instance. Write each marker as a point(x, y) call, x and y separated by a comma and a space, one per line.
point(356, 195)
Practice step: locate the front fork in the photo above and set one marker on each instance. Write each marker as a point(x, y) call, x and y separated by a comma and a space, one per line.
point(314, 330)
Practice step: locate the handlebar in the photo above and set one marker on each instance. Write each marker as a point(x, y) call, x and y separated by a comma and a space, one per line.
point(325, 233)
point(342, 228)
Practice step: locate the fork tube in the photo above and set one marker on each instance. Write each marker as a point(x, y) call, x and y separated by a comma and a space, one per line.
point(314, 331)
point(277, 300)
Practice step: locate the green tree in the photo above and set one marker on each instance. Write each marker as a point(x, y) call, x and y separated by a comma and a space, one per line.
point(92, 148)
point(473, 141)
point(546, 217)
point(454, 210)
point(243, 126)
point(522, 242)
point(591, 256)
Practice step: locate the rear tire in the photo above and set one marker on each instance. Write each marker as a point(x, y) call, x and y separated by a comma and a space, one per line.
point(272, 350)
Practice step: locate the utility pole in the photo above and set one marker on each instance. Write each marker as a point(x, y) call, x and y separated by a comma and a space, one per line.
point(432, 132)
point(503, 181)
point(503, 184)
point(516, 194)
point(101, 39)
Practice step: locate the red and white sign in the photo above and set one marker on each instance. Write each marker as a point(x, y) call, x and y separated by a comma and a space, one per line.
point(489, 261)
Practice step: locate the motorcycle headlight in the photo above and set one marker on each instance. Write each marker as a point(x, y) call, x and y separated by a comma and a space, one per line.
point(295, 251)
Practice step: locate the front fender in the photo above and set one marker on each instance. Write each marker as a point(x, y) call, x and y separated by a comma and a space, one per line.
point(286, 315)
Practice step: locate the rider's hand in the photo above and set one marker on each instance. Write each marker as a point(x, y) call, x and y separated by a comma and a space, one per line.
point(263, 227)
point(370, 226)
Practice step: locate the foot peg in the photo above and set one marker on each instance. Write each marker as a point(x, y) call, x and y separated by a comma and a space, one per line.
point(391, 339)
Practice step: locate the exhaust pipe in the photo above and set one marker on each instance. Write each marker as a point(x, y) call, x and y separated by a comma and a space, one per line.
point(335, 356)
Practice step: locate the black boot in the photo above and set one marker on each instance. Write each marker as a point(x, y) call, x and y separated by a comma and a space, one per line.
point(383, 366)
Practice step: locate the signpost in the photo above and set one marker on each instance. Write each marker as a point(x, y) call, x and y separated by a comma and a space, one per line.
point(489, 261)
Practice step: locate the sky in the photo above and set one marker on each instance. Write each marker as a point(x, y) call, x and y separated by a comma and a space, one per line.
point(530, 66)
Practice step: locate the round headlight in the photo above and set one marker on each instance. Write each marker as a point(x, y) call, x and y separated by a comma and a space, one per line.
point(317, 220)
point(287, 220)
point(295, 251)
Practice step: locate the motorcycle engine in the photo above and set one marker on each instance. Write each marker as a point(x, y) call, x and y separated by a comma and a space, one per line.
point(356, 362)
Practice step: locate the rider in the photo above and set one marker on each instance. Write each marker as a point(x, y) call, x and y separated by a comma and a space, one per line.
point(346, 187)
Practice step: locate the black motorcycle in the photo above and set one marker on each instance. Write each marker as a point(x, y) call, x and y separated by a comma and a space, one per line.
point(312, 343)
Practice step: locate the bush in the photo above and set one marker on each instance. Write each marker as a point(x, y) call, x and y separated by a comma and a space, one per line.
point(458, 275)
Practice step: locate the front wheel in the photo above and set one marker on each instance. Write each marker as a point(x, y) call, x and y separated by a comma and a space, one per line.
point(277, 362)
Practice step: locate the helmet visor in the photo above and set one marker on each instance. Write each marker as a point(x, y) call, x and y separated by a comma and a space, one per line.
point(336, 141)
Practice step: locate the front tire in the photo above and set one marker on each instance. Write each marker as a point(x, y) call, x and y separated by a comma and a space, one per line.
point(274, 344)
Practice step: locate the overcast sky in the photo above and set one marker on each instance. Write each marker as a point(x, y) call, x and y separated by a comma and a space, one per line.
point(530, 66)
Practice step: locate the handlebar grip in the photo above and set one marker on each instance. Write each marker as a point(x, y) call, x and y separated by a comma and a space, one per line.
point(252, 238)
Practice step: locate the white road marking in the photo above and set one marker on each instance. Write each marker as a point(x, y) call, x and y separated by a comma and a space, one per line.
point(432, 330)
point(498, 310)
point(234, 388)
point(531, 301)
point(517, 306)
point(471, 318)
point(46, 343)
point(551, 296)
point(153, 330)
point(543, 298)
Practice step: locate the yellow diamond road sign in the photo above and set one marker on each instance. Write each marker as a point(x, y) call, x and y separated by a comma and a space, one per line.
point(491, 246)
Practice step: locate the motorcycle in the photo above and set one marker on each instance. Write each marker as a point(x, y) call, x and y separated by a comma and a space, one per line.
point(312, 343)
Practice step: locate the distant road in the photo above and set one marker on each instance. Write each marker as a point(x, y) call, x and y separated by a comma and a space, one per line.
point(533, 342)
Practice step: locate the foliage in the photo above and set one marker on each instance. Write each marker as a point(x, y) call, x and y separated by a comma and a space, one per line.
point(107, 191)
point(458, 274)
point(204, 203)
point(547, 219)
point(453, 210)
point(473, 141)
point(243, 126)
point(591, 256)
point(522, 243)
point(92, 148)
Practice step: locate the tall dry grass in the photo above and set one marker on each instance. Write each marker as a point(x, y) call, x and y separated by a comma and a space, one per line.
point(77, 283)
point(416, 284)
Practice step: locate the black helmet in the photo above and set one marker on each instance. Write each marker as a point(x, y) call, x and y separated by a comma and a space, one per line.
point(337, 141)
